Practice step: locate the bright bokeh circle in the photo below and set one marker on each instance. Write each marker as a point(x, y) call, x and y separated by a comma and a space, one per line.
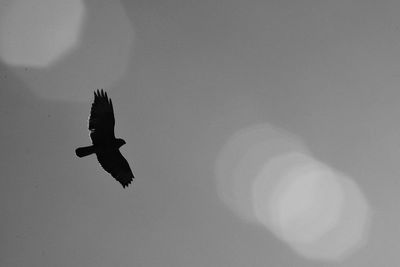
point(37, 33)
point(267, 176)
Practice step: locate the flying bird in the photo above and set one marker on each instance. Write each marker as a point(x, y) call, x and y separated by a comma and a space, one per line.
point(104, 144)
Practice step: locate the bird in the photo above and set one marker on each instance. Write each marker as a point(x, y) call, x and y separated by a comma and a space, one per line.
point(104, 144)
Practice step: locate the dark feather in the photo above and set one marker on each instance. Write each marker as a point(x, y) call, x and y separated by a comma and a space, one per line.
point(105, 145)
point(114, 163)
point(84, 151)
point(101, 120)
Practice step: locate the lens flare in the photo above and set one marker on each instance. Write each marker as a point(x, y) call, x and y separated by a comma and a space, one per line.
point(64, 49)
point(266, 176)
point(37, 33)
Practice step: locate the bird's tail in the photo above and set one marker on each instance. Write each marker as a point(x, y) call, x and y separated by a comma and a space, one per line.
point(84, 151)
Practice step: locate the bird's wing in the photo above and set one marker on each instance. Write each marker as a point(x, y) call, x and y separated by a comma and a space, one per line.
point(113, 162)
point(101, 120)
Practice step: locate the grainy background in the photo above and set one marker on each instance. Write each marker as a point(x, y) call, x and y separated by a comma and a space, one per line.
point(326, 71)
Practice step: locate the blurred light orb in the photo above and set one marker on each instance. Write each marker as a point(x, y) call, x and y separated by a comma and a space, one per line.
point(65, 49)
point(240, 161)
point(266, 176)
point(37, 33)
point(306, 200)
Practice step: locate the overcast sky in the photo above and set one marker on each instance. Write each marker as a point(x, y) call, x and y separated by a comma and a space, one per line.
point(196, 72)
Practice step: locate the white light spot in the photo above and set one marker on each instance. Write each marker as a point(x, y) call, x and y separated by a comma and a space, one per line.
point(318, 211)
point(36, 33)
point(70, 51)
point(241, 160)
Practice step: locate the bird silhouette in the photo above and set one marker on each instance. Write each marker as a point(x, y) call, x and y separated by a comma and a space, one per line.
point(104, 144)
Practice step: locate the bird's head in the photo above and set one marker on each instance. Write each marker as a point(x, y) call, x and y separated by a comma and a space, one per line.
point(120, 142)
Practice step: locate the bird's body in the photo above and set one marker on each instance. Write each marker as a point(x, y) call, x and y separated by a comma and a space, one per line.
point(104, 144)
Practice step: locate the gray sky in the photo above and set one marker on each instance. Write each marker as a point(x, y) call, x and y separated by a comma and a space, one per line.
point(326, 71)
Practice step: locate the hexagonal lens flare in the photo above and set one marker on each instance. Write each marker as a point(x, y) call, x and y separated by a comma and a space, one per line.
point(36, 33)
point(267, 177)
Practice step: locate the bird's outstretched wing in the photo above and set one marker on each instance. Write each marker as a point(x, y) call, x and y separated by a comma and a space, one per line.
point(113, 162)
point(101, 120)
